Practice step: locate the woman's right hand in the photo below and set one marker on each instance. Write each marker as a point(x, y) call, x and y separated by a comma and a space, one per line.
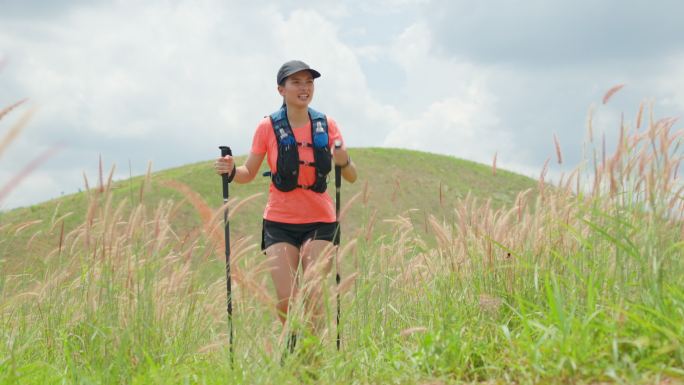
point(224, 165)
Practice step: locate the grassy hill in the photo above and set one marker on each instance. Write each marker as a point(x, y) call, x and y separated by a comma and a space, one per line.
point(565, 287)
point(391, 182)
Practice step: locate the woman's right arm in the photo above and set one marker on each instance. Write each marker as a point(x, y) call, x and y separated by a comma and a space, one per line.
point(244, 173)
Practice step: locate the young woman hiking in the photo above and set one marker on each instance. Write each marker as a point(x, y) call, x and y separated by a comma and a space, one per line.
point(299, 223)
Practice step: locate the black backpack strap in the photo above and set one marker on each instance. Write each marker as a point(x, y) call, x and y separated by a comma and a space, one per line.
point(321, 149)
point(287, 165)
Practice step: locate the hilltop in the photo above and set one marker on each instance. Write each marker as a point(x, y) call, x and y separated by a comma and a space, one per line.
point(391, 182)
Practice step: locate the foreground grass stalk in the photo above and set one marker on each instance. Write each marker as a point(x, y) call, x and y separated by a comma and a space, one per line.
point(578, 283)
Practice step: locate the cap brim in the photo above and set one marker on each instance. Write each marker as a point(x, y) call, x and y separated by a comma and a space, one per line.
point(315, 74)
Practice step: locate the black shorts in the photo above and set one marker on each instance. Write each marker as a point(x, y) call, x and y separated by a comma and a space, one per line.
point(297, 234)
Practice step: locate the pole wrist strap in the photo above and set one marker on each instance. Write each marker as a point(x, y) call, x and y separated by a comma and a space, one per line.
point(232, 174)
point(348, 162)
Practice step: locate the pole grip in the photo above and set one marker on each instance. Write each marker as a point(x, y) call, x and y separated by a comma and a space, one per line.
point(338, 169)
point(338, 176)
point(338, 185)
point(225, 150)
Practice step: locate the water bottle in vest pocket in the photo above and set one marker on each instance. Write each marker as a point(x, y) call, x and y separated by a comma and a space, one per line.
point(321, 151)
point(320, 138)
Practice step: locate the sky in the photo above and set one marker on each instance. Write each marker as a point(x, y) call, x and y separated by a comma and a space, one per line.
point(167, 82)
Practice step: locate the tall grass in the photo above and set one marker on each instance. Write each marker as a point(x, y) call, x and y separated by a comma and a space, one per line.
point(580, 284)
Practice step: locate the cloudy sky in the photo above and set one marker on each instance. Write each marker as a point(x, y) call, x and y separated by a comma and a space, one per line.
point(168, 81)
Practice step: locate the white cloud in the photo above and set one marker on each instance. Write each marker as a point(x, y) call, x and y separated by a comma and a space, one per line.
point(671, 83)
point(169, 81)
point(36, 187)
point(451, 108)
point(455, 126)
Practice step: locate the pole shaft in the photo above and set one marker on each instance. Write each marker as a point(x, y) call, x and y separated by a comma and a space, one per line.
point(338, 185)
point(229, 295)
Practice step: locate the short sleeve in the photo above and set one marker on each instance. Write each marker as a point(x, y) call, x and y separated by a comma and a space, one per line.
point(334, 133)
point(260, 140)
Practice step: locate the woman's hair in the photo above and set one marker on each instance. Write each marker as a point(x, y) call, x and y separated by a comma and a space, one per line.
point(282, 84)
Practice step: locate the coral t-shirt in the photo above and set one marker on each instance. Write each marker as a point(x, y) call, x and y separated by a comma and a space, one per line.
point(299, 205)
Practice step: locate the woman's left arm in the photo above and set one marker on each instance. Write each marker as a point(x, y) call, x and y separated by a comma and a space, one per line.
point(340, 155)
point(341, 158)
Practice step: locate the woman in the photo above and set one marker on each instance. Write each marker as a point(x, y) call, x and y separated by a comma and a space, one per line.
point(299, 222)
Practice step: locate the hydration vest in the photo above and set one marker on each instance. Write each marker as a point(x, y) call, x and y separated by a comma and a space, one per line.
point(287, 171)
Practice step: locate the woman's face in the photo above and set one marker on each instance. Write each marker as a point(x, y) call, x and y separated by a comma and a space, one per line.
point(298, 89)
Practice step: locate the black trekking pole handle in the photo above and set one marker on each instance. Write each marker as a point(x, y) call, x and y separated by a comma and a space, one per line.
point(226, 179)
point(338, 185)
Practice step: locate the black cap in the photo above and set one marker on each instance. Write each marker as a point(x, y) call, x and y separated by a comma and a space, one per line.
point(292, 67)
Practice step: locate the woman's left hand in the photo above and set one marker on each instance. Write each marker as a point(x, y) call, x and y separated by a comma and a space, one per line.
point(340, 156)
point(342, 159)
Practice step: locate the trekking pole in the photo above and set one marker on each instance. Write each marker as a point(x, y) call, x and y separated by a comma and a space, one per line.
point(226, 179)
point(338, 185)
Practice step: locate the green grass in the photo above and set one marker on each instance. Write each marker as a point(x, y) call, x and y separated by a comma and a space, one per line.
point(398, 181)
point(554, 288)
